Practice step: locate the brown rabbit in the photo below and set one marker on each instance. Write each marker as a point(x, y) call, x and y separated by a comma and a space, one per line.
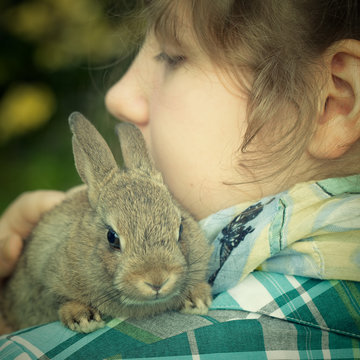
point(118, 246)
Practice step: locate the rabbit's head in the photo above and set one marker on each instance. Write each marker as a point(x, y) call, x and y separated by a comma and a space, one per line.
point(144, 241)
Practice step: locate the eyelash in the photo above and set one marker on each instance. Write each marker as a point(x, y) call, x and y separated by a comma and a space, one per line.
point(171, 61)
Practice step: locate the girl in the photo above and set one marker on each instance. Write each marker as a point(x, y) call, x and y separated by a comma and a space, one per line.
point(251, 111)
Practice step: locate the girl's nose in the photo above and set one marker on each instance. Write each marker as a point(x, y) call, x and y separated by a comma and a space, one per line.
point(126, 100)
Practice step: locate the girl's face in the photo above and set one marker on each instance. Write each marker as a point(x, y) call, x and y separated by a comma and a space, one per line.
point(193, 123)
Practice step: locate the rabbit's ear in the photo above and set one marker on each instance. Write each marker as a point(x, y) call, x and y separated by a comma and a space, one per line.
point(93, 158)
point(134, 151)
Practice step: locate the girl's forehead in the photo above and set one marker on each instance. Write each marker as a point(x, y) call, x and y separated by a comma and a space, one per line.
point(173, 27)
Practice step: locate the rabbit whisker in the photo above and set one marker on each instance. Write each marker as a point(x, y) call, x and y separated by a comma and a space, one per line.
point(108, 296)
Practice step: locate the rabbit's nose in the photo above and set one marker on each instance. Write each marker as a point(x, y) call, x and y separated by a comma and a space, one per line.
point(156, 287)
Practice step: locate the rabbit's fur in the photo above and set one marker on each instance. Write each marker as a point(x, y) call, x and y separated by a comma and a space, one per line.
point(70, 270)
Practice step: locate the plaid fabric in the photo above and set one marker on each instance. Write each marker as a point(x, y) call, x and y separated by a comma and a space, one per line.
point(267, 316)
point(311, 230)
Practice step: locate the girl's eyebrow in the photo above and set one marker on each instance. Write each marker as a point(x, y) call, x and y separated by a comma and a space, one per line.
point(170, 44)
point(175, 38)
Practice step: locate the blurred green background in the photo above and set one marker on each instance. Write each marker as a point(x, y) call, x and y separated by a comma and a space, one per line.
point(57, 56)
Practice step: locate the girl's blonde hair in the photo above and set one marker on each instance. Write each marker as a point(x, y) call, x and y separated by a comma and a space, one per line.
point(281, 42)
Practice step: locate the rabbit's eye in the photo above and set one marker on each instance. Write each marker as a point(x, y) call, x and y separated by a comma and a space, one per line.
point(113, 239)
point(180, 231)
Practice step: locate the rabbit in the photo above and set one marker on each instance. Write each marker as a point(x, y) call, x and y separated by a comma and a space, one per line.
point(118, 246)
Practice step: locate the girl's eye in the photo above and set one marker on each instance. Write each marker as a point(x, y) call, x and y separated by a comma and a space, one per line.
point(171, 61)
point(114, 239)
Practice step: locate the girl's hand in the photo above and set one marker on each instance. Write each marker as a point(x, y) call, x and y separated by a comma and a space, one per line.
point(17, 222)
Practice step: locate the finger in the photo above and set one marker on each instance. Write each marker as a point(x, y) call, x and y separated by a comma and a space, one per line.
point(27, 210)
point(10, 250)
point(39, 202)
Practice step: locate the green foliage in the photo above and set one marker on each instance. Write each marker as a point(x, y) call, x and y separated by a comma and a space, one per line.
point(55, 58)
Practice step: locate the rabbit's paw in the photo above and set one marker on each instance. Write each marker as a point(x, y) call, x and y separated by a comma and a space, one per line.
point(198, 300)
point(80, 317)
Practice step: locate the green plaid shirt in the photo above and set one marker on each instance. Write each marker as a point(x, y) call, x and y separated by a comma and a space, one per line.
point(282, 317)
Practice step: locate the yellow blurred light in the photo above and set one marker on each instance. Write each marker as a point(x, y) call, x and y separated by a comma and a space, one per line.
point(25, 107)
point(67, 32)
point(31, 20)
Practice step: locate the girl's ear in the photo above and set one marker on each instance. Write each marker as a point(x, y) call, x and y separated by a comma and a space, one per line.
point(338, 126)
